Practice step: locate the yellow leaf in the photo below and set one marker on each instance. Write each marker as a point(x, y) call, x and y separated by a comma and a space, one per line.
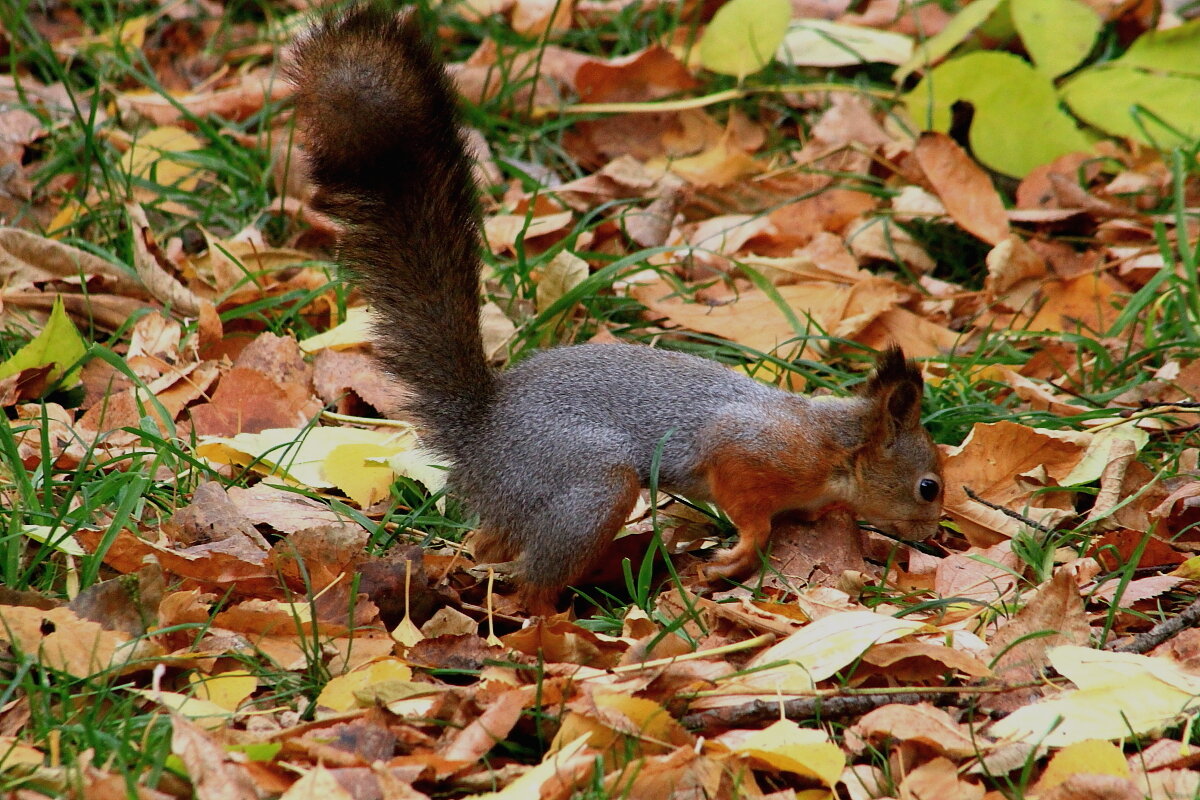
point(1089, 757)
point(1119, 695)
point(743, 36)
point(152, 158)
point(561, 762)
point(206, 714)
point(788, 747)
point(227, 689)
point(71, 212)
point(407, 633)
point(564, 272)
point(296, 453)
point(338, 694)
point(1189, 569)
point(361, 471)
point(354, 332)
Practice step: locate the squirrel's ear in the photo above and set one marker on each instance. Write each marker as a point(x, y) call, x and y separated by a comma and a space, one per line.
point(895, 390)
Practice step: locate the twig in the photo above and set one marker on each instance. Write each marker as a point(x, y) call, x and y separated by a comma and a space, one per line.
point(1008, 512)
point(1180, 404)
point(840, 706)
point(1144, 642)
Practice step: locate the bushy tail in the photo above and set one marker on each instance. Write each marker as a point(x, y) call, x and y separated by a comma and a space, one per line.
point(388, 159)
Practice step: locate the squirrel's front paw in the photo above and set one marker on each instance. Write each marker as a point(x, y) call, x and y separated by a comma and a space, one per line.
point(726, 564)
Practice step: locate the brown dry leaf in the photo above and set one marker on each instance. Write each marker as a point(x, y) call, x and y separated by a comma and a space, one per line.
point(233, 103)
point(339, 377)
point(27, 258)
point(1115, 549)
point(816, 553)
point(963, 186)
point(563, 642)
point(503, 231)
point(1088, 302)
point(227, 559)
point(1054, 616)
point(1041, 397)
point(649, 74)
point(1015, 273)
point(318, 783)
point(991, 461)
point(938, 778)
point(536, 17)
point(492, 726)
point(756, 321)
point(108, 312)
point(876, 238)
point(923, 723)
point(1136, 590)
point(919, 337)
point(63, 641)
point(152, 267)
point(923, 661)
point(214, 773)
point(248, 401)
point(831, 209)
point(282, 510)
point(682, 773)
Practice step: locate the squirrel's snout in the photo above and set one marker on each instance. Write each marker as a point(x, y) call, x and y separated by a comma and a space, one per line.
point(911, 530)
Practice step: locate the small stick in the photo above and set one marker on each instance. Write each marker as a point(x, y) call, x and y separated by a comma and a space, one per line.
point(1167, 629)
point(1008, 512)
point(808, 707)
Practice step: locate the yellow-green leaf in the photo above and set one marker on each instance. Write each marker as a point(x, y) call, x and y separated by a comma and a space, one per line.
point(59, 344)
point(1173, 50)
point(1057, 34)
point(1125, 101)
point(56, 538)
point(743, 36)
point(951, 36)
point(1017, 124)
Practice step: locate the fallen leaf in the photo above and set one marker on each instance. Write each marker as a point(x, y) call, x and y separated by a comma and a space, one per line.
point(743, 35)
point(822, 43)
point(1119, 695)
point(964, 188)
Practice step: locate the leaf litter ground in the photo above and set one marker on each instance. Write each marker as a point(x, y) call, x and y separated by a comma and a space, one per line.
point(228, 569)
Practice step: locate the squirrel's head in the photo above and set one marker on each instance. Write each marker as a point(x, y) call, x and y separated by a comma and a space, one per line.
point(897, 468)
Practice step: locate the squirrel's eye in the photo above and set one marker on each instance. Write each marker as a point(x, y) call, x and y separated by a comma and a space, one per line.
point(929, 489)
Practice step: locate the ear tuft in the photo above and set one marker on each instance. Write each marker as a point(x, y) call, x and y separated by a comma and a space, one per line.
point(891, 368)
point(896, 386)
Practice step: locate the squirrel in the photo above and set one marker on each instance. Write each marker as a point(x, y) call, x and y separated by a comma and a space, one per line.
point(552, 453)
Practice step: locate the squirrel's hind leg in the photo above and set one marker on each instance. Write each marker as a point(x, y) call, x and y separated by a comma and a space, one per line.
point(563, 545)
